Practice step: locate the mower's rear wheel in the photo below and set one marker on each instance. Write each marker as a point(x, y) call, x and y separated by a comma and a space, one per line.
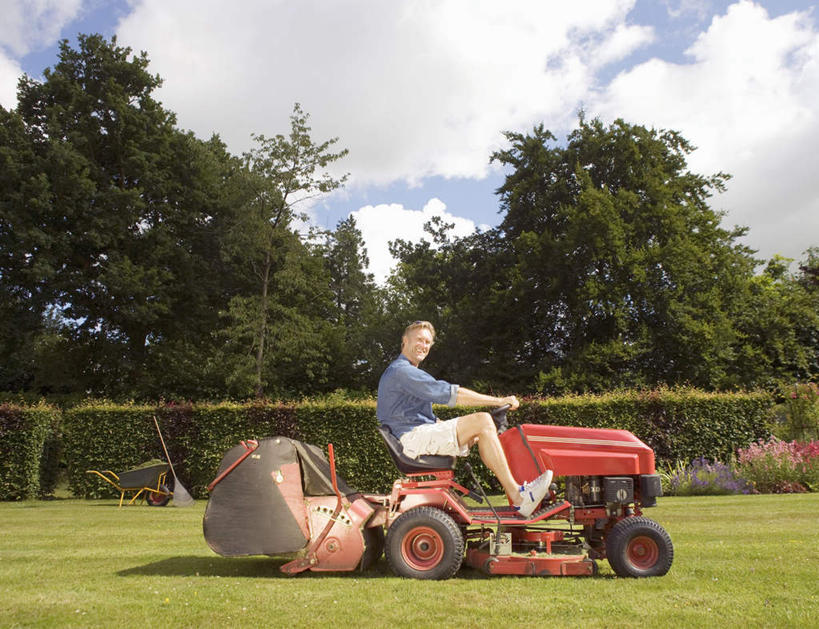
point(425, 543)
point(158, 498)
point(639, 547)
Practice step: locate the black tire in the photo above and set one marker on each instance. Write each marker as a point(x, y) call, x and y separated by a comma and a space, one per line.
point(425, 543)
point(158, 498)
point(639, 547)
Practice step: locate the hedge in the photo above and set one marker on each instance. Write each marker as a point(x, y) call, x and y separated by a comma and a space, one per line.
point(678, 425)
point(29, 450)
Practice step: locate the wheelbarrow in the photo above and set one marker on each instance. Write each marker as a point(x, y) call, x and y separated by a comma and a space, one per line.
point(149, 481)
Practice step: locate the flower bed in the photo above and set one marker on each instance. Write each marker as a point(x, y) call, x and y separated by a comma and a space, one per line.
point(765, 467)
point(776, 466)
point(703, 477)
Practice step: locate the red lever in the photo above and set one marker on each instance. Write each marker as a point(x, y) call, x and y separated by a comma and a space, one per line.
point(233, 466)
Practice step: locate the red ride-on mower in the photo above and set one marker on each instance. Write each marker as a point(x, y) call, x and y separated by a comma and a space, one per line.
point(281, 496)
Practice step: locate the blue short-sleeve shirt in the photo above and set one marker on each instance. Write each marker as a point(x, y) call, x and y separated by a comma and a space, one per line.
point(406, 395)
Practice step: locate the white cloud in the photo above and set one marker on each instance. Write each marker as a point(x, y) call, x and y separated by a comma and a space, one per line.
point(680, 8)
point(748, 102)
point(10, 72)
point(413, 88)
point(26, 26)
point(33, 24)
point(380, 224)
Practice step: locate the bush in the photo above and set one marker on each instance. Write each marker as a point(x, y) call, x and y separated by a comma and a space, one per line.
point(801, 412)
point(702, 478)
point(678, 425)
point(352, 428)
point(776, 466)
point(104, 436)
point(204, 436)
point(28, 455)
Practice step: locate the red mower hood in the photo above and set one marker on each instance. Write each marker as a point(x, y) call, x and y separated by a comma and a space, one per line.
point(570, 451)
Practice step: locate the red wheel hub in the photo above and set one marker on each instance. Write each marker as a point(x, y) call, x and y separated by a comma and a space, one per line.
point(422, 548)
point(643, 552)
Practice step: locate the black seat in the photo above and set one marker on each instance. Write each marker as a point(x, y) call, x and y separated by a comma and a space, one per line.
point(424, 463)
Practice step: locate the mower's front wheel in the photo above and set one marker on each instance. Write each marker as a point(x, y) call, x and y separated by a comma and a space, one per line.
point(639, 547)
point(425, 543)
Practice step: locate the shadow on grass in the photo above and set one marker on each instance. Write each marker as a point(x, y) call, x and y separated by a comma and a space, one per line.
point(269, 567)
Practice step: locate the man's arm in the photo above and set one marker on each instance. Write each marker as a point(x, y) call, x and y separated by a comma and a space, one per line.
point(467, 397)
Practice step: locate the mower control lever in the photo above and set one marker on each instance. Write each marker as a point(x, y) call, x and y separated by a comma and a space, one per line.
point(499, 417)
point(476, 497)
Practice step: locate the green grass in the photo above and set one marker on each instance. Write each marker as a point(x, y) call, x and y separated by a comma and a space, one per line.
point(740, 561)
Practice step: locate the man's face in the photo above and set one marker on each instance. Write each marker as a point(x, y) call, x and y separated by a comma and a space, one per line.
point(416, 345)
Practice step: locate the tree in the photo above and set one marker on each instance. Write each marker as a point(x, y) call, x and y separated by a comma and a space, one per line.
point(808, 279)
point(101, 135)
point(636, 275)
point(809, 269)
point(608, 269)
point(26, 266)
point(777, 324)
point(279, 173)
point(461, 285)
point(356, 315)
point(122, 223)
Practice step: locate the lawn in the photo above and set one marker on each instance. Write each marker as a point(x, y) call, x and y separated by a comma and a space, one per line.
point(739, 561)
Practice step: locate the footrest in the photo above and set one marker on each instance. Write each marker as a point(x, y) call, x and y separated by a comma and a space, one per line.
point(510, 515)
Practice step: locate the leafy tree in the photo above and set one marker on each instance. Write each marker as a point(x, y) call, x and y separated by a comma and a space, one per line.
point(809, 269)
point(100, 135)
point(25, 263)
point(636, 273)
point(357, 312)
point(125, 214)
point(609, 269)
point(777, 325)
point(126, 244)
point(279, 173)
point(462, 286)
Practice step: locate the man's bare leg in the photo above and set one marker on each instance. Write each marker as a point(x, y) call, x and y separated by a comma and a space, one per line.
point(480, 427)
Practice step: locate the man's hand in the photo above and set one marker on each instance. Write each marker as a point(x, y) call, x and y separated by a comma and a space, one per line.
point(512, 401)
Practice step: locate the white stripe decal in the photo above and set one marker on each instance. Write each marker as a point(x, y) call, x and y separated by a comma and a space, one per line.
point(586, 442)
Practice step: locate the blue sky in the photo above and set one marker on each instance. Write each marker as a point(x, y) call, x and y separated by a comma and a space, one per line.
point(420, 91)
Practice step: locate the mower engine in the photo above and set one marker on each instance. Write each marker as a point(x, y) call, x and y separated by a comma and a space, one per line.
point(595, 491)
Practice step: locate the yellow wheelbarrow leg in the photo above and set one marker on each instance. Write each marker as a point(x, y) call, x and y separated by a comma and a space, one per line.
point(139, 480)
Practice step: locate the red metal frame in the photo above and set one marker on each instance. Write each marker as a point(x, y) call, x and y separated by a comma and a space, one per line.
point(339, 545)
point(249, 447)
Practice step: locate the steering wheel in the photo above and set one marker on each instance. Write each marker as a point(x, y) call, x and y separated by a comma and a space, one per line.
point(499, 417)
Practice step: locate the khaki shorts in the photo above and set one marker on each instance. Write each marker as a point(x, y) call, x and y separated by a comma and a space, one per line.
point(440, 438)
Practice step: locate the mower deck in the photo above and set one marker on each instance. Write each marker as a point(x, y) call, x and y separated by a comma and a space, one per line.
point(531, 564)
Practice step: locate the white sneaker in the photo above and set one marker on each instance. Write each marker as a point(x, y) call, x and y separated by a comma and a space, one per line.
point(533, 492)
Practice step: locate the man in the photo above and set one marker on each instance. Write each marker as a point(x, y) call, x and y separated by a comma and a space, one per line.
point(405, 398)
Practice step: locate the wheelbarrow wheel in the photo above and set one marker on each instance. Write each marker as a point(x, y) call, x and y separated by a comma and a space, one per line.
point(424, 543)
point(158, 498)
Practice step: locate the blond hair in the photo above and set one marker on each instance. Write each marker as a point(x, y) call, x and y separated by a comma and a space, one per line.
point(419, 324)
